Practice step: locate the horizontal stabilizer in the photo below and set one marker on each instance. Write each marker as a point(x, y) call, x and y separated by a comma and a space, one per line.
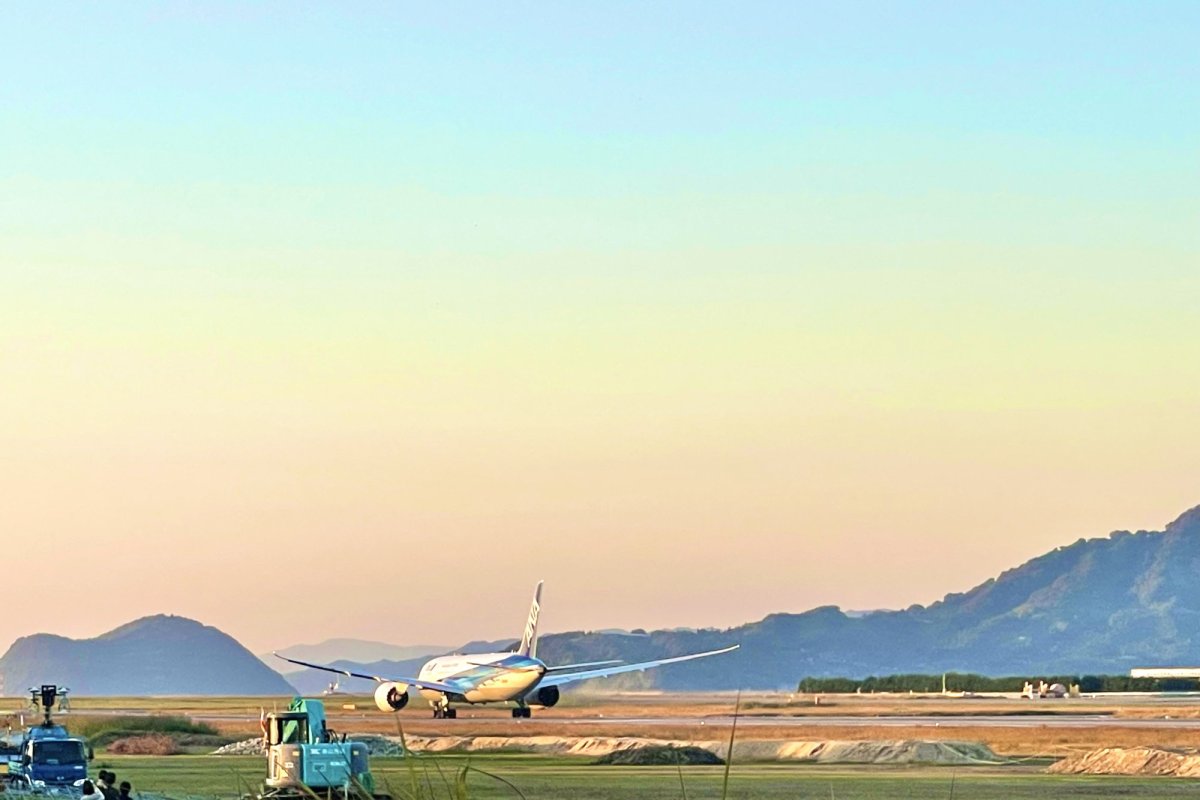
point(431, 685)
point(584, 665)
point(558, 679)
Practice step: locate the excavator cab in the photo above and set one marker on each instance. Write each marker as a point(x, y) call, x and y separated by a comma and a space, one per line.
point(287, 728)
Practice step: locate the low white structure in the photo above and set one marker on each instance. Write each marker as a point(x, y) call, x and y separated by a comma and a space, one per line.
point(1165, 672)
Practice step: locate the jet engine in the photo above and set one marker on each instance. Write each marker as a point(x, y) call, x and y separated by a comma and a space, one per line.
point(546, 696)
point(391, 696)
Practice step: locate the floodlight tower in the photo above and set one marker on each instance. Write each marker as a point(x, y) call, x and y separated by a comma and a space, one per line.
point(44, 697)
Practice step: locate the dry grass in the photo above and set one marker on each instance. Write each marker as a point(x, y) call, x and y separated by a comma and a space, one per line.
point(155, 744)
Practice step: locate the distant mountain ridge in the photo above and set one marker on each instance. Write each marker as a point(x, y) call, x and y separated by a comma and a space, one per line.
point(158, 655)
point(1099, 605)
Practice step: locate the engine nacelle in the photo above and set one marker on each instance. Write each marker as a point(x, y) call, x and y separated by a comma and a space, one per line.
point(546, 697)
point(391, 696)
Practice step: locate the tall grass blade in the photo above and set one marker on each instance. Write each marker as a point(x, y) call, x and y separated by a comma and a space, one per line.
point(494, 777)
point(737, 707)
point(240, 783)
point(414, 780)
point(460, 785)
point(451, 791)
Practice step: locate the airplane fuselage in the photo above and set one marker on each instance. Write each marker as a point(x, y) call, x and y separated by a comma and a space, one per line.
point(485, 677)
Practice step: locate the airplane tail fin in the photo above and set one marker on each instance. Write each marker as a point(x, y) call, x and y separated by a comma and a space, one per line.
point(529, 638)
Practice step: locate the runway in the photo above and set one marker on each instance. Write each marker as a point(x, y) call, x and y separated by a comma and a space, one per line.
point(1181, 714)
point(913, 721)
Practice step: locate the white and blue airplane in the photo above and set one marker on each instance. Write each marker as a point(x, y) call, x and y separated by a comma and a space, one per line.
point(520, 677)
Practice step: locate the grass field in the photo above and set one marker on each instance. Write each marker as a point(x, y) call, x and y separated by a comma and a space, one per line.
point(541, 778)
point(701, 716)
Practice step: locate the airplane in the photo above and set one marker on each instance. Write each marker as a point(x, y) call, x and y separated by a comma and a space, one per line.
point(519, 677)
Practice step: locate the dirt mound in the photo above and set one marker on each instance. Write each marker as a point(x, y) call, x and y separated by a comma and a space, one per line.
point(593, 746)
point(657, 756)
point(904, 751)
point(154, 744)
point(1130, 761)
point(901, 751)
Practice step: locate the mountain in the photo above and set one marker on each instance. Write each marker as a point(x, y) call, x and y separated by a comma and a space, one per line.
point(160, 655)
point(356, 650)
point(1099, 605)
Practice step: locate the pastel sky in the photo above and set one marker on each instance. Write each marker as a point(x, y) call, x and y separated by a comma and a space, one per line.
point(358, 319)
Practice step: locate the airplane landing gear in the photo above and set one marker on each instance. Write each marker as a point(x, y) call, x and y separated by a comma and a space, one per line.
point(522, 712)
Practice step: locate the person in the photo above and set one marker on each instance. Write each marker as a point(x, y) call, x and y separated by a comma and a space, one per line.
point(106, 784)
point(126, 788)
point(90, 792)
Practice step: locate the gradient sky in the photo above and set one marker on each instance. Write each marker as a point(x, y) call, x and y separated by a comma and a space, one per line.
point(356, 322)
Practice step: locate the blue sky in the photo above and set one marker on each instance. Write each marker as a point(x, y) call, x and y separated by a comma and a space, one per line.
point(636, 280)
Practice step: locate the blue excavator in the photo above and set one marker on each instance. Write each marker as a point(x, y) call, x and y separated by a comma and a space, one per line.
point(306, 759)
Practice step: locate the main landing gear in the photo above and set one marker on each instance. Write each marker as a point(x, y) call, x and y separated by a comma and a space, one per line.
point(522, 712)
point(445, 713)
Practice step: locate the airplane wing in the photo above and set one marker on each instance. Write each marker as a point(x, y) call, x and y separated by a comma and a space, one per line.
point(558, 679)
point(432, 685)
point(565, 667)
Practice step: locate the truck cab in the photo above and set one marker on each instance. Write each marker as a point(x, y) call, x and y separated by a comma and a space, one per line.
point(51, 758)
point(48, 758)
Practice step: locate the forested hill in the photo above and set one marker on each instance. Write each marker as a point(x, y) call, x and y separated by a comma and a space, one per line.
point(159, 655)
point(1097, 606)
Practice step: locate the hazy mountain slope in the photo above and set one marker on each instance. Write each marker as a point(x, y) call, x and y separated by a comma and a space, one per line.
point(360, 651)
point(151, 656)
point(1096, 606)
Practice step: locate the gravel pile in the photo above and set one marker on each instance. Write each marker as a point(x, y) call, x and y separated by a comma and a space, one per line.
point(900, 751)
point(1130, 761)
point(247, 747)
point(903, 751)
point(377, 745)
point(660, 756)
